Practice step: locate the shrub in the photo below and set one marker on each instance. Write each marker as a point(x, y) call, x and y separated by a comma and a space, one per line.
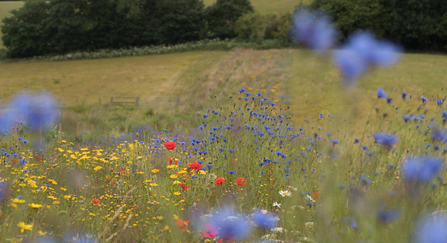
point(222, 16)
point(258, 27)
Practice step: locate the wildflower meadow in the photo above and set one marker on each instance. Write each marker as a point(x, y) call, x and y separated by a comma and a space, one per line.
point(247, 172)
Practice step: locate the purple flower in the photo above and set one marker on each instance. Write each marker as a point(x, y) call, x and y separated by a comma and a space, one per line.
point(314, 29)
point(422, 169)
point(385, 139)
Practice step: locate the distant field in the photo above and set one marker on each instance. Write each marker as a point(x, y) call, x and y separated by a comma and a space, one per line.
point(308, 84)
point(269, 6)
point(5, 8)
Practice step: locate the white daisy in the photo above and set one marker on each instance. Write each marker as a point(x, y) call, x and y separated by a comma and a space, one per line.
point(275, 204)
point(285, 193)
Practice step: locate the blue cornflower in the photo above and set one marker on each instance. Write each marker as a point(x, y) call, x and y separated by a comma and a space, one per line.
point(388, 216)
point(432, 229)
point(241, 90)
point(444, 114)
point(38, 109)
point(314, 30)
point(230, 224)
point(365, 180)
point(385, 139)
point(381, 93)
point(231, 172)
point(422, 169)
point(215, 112)
point(424, 99)
point(440, 102)
point(210, 166)
point(264, 219)
point(205, 115)
point(361, 51)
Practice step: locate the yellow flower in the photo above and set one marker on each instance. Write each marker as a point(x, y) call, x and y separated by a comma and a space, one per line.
point(153, 184)
point(35, 205)
point(67, 197)
point(97, 168)
point(63, 141)
point(24, 226)
point(173, 176)
point(167, 227)
point(155, 170)
point(42, 233)
point(177, 182)
point(63, 189)
point(16, 200)
point(177, 193)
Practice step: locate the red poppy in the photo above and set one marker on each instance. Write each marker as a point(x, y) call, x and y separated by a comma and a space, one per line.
point(241, 181)
point(194, 166)
point(38, 158)
point(209, 231)
point(316, 194)
point(170, 145)
point(14, 162)
point(219, 180)
point(96, 201)
point(182, 224)
point(170, 159)
point(185, 187)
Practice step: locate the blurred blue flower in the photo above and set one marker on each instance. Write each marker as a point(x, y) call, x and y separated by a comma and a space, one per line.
point(388, 216)
point(432, 229)
point(381, 93)
point(361, 51)
point(314, 29)
point(264, 219)
point(37, 110)
point(230, 224)
point(385, 139)
point(422, 169)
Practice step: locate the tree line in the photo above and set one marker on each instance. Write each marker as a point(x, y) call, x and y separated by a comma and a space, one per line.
point(60, 26)
point(43, 27)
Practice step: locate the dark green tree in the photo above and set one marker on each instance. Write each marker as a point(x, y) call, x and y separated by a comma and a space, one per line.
point(61, 26)
point(222, 16)
point(418, 24)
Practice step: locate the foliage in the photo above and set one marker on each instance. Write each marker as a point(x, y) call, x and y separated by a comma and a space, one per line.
point(417, 25)
point(60, 26)
point(257, 27)
point(222, 16)
point(350, 15)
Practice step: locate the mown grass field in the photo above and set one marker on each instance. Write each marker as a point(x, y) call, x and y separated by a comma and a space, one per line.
point(184, 83)
point(5, 8)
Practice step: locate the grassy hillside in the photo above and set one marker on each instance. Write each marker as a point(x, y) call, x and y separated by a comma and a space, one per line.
point(182, 85)
point(5, 8)
point(267, 6)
